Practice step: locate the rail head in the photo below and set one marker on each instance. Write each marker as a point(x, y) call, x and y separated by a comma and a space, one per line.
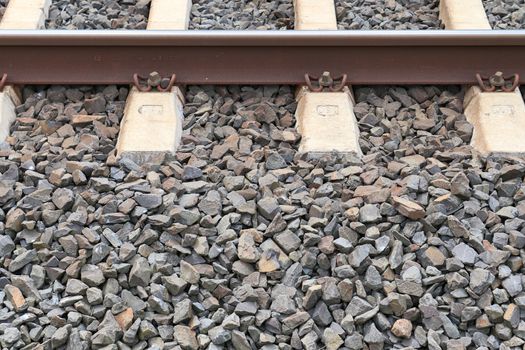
point(262, 38)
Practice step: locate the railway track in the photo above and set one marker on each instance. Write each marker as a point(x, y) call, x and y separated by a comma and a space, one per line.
point(238, 207)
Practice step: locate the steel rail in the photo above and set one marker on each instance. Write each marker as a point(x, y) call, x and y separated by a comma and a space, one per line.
point(259, 57)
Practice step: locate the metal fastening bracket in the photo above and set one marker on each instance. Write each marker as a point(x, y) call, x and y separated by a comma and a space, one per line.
point(3, 80)
point(498, 82)
point(325, 82)
point(153, 81)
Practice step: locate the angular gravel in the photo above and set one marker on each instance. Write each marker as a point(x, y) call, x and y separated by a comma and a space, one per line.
point(107, 14)
point(242, 14)
point(505, 14)
point(240, 242)
point(387, 14)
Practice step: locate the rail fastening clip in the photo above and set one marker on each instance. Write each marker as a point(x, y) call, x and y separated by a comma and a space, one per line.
point(498, 82)
point(153, 81)
point(325, 82)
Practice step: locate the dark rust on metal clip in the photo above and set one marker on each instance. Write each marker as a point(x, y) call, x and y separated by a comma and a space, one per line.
point(325, 82)
point(3, 81)
point(498, 82)
point(153, 81)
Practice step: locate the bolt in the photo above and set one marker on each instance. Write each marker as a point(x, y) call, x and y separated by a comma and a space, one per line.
point(326, 79)
point(497, 79)
point(154, 79)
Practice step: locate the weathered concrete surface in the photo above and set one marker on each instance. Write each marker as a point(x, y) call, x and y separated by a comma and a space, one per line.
point(8, 101)
point(498, 119)
point(315, 15)
point(19, 14)
point(169, 15)
point(152, 125)
point(463, 14)
point(25, 14)
point(327, 122)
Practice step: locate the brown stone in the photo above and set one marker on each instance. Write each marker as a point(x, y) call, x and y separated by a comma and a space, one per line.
point(512, 316)
point(408, 208)
point(125, 318)
point(352, 213)
point(423, 123)
point(246, 249)
point(268, 262)
point(372, 194)
point(185, 337)
point(435, 256)
point(82, 119)
point(15, 297)
point(415, 160)
point(402, 328)
point(326, 245)
point(483, 322)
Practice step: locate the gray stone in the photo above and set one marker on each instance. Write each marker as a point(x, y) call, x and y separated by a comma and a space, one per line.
point(148, 200)
point(372, 335)
point(60, 337)
point(321, 315)
point(465, 254)
point(6, 245)
point(92, 275)
point(182, 311)
point(288, 241)
point(22, 260)
point(140, 273)
point(513, 285)
point(268, 207)
point(219, 335)
point(189, 273)
point(75, 286)
point(11, 336)
point(359, 254)
point(460, 186)
point(369, 213)
point(480, 280)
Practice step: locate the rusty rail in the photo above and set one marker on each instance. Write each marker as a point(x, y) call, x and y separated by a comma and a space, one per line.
point(260, 57)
